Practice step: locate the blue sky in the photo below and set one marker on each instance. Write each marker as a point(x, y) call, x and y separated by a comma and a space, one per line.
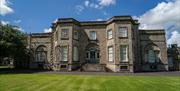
point(37, 15)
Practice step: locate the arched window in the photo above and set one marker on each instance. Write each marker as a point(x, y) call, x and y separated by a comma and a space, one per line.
point(41, 54)
point(152, 53)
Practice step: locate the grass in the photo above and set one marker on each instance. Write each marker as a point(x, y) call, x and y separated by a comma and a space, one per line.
point(6, 67)
point(57, 82)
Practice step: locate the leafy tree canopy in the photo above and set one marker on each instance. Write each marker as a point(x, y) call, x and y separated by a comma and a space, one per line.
point(12, 42)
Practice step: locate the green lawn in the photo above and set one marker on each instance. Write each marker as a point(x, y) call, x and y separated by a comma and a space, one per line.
point(57, 82)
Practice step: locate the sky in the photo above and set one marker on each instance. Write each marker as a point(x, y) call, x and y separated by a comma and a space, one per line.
point(38, 15)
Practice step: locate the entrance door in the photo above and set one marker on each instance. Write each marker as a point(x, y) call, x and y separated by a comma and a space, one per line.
point(92, 56)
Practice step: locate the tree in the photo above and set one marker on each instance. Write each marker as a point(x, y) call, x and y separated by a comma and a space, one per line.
point(13, 44)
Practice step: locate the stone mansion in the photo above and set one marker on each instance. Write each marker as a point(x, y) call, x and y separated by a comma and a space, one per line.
point(115, 45)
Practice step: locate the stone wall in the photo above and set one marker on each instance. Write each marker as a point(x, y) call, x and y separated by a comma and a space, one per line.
point(157, 38)
point(136, 41)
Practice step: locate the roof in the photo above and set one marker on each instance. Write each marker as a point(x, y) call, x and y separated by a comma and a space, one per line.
point(152, 31)
point(40, 34)
point(85, 23)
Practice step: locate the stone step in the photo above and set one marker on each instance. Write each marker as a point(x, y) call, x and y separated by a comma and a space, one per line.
point(93, 67)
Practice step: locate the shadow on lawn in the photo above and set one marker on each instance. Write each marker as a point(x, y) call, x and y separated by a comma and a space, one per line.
point(20, 71)
point(31, 71)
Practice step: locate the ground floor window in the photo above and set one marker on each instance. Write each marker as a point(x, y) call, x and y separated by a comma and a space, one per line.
point(123, 53)
point(110, 54)
point(75, 54)
point(40, 54)
point(64, 53)
point(152, 54)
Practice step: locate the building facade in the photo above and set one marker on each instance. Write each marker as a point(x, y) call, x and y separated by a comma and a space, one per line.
point(115, 45)
point(174, 57)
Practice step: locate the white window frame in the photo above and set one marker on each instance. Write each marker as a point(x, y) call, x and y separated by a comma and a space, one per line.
point(40, 55)
point(110, 54)
point(63, 36)
point(75, 54)
point(93, 35)
point(151, 56)
point(63, 55)
point(123, 32)
point(109, 34)
point(122, 53)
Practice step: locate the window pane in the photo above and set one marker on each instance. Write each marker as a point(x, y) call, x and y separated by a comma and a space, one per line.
point(151, 56)
point(110, 54)
point(64, 33)
point(109, 34)
point(75, 54)
point(40, 56)
point(92, 35)
point(123, 32)
point(123, 53)
point(76, 35)
point(64, 54)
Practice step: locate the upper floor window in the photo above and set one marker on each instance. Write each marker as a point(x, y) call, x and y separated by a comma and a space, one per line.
point(123, 53)
point(109, 34)
point(76, 35)
point(92, 35)
point(110, 54)
point(64, 33)
point(123, 32)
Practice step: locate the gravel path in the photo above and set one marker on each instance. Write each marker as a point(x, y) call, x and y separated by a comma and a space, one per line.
point(15, 71)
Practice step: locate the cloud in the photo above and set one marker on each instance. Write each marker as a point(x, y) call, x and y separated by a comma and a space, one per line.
point(17, 21)
point(79, 9)
point(19, 28)
point(55, 20)
point(47, 30)
point(86, 3)
point(91, 4)
point(99, 19)
point(94, 4)
point(106, 2)
point(4, 7)
point(175, 38)
point(4, 22)
point(15, 27)
point(165, 15)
